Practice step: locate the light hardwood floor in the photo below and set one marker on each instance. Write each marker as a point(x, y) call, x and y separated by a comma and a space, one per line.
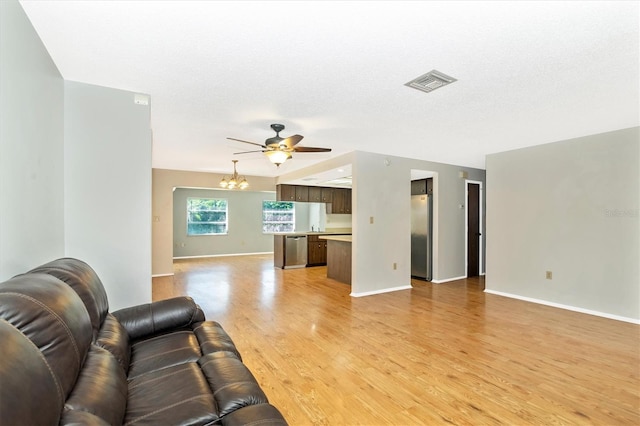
point(435, 354)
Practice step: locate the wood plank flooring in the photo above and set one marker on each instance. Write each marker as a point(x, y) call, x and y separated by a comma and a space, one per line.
point(435, 354)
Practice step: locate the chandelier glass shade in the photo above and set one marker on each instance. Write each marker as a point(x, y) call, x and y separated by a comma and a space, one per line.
point(235, 181)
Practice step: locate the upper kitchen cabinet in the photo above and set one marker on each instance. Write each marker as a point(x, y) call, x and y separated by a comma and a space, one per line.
point(285, 193)
point(422, 186)
point(341, 203)
point(302, 193)
point(338, 198)
point(292, 193)
point(326, 195)
point(315, 194)
point(418, 187)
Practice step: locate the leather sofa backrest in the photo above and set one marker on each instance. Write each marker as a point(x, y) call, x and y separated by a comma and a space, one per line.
point(24, 371)
point(52, 316)
point(84, 281)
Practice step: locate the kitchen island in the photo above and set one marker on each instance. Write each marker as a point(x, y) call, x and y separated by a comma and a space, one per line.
point(313, 254)
point(338, 257)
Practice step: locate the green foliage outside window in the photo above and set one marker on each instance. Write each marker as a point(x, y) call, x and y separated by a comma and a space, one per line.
point(206, 216)
point(278, 216)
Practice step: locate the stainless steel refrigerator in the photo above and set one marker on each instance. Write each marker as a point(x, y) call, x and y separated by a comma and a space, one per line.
point(421, 236)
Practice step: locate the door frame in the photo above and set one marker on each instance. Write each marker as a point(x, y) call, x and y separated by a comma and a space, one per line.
point(466, 226)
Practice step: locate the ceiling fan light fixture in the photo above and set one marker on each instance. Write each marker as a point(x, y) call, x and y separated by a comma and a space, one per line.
point(278, 157)
point(235, 180)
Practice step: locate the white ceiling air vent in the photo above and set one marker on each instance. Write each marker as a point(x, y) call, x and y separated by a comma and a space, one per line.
point(431, 81)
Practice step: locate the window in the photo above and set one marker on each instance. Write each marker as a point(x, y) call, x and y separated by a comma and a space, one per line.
point(277, 216)
point(206, 216)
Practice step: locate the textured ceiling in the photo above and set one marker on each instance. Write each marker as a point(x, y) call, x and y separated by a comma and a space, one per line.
point(528, 73)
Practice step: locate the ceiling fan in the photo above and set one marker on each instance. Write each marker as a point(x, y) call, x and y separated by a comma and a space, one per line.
point(279, 149)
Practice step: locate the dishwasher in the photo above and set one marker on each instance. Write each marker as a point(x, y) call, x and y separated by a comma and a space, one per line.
point(295, 251)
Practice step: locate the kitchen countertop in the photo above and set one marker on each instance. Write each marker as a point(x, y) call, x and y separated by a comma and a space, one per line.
point(343, 238)
point(326, 232)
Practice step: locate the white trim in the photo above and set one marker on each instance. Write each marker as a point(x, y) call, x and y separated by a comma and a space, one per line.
point(567, 307)
point(446, 280)
point(162, 275)
point(220, 255)
point(384, 290)
point(466, 226)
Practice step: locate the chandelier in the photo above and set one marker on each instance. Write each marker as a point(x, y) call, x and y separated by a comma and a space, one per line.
point(235, 181)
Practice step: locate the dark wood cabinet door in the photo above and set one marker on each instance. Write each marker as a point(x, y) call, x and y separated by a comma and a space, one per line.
point(316, 253)
point(418, 187)
point(341, 201)
point(315, 194)
point(327, 195)
point(302, 193)
point(286, 193)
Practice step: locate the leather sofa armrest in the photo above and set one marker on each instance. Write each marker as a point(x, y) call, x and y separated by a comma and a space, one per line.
point(163, 315)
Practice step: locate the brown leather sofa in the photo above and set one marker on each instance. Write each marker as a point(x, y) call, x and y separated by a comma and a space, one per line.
point(64, 359)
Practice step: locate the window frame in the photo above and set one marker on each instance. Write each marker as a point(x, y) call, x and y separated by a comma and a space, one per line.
point(292, 222)
point(225, 222)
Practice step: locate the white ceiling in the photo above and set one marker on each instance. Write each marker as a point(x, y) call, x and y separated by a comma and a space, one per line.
point(528, 73)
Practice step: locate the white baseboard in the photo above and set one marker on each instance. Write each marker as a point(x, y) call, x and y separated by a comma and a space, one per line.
point(162, 275)
point(220, 255)
point(384, 290)
point(448, 280)
point(567, 307)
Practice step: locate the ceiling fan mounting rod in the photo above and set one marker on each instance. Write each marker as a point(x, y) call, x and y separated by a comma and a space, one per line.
point(277, 128)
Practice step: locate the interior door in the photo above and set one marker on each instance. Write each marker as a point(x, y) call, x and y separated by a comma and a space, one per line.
point(473, 229)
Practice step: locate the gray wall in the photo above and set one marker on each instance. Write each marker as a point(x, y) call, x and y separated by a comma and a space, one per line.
point(569, 207)
point(31, 147)
point(245, 224)
point(382, 190)
point(75, 169)
point(108, 188)
point(164, 183)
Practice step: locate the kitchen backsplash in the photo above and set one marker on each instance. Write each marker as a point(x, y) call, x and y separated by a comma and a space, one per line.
point(338, 221)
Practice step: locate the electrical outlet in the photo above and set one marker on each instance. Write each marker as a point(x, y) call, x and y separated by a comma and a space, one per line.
point(549, 275)
point(371, 219)
point(395, 266)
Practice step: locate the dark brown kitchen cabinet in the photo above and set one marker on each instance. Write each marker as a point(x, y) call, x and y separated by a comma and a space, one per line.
point(418, 187)
point(302, 193)
point(326, 195)
point(315, 194)
point(316, 251)
point(422, 186)
point(341, 203)
point(286, 192)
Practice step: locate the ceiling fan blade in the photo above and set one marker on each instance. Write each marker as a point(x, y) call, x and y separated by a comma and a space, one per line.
point(291, 141)
point(248, 152)
point(310, 149)
point(252, 143)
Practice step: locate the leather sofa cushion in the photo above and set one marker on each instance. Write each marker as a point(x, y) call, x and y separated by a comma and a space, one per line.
point(54, 318)
point(267, 414)
point(148, 319)
point(163, 351)
point(85, 282)
point(173, 395)
point(233, 384)
point(18, 356)
point(114, 338)
point(213, 338)
point(101, 388)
